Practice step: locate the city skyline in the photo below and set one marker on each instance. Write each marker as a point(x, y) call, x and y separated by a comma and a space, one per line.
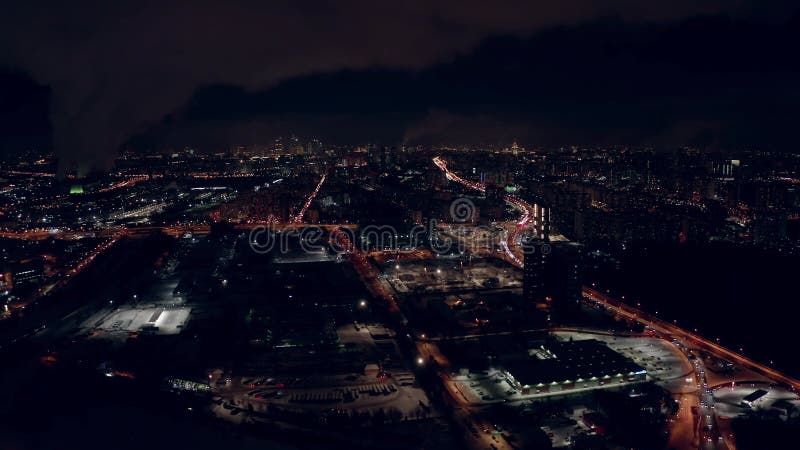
point(412, 225)
point(714, 76)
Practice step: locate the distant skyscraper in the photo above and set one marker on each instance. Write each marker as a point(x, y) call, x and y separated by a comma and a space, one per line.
point(314, 147)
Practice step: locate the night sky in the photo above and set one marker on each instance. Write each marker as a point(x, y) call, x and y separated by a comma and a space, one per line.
point(86, 78)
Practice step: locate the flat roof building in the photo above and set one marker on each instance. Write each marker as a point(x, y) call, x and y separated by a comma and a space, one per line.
point(753, 397)
point(562, 366)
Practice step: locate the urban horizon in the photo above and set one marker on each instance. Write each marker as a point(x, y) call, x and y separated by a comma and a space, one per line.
point(405, 226)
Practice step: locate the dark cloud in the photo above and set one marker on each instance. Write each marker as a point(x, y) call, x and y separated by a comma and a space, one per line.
point(24, 121)
point(117, 69)
point(708, 81)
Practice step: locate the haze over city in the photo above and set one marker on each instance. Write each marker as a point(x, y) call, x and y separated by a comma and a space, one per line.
point(519, 225)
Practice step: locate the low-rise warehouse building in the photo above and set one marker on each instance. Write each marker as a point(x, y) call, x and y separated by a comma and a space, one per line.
point(564, 366)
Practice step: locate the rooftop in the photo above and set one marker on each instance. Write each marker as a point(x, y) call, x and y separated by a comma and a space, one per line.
point(573, 361)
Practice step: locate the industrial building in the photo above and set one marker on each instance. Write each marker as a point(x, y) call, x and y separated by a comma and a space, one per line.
point(565, 366)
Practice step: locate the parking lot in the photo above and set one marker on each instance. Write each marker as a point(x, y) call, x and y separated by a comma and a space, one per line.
point(488, 387)
point(662, 360)
point(353, 392)
point(728, 399)
point(446, 274)
point(562, 430)
point(155, 320)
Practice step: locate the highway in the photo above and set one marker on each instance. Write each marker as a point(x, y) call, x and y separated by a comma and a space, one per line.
point(41, 234)
point(299, 217)
point(632, 313)
point(511, 245)
point(172, 230)
point(368, 273)
point(129, 182)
